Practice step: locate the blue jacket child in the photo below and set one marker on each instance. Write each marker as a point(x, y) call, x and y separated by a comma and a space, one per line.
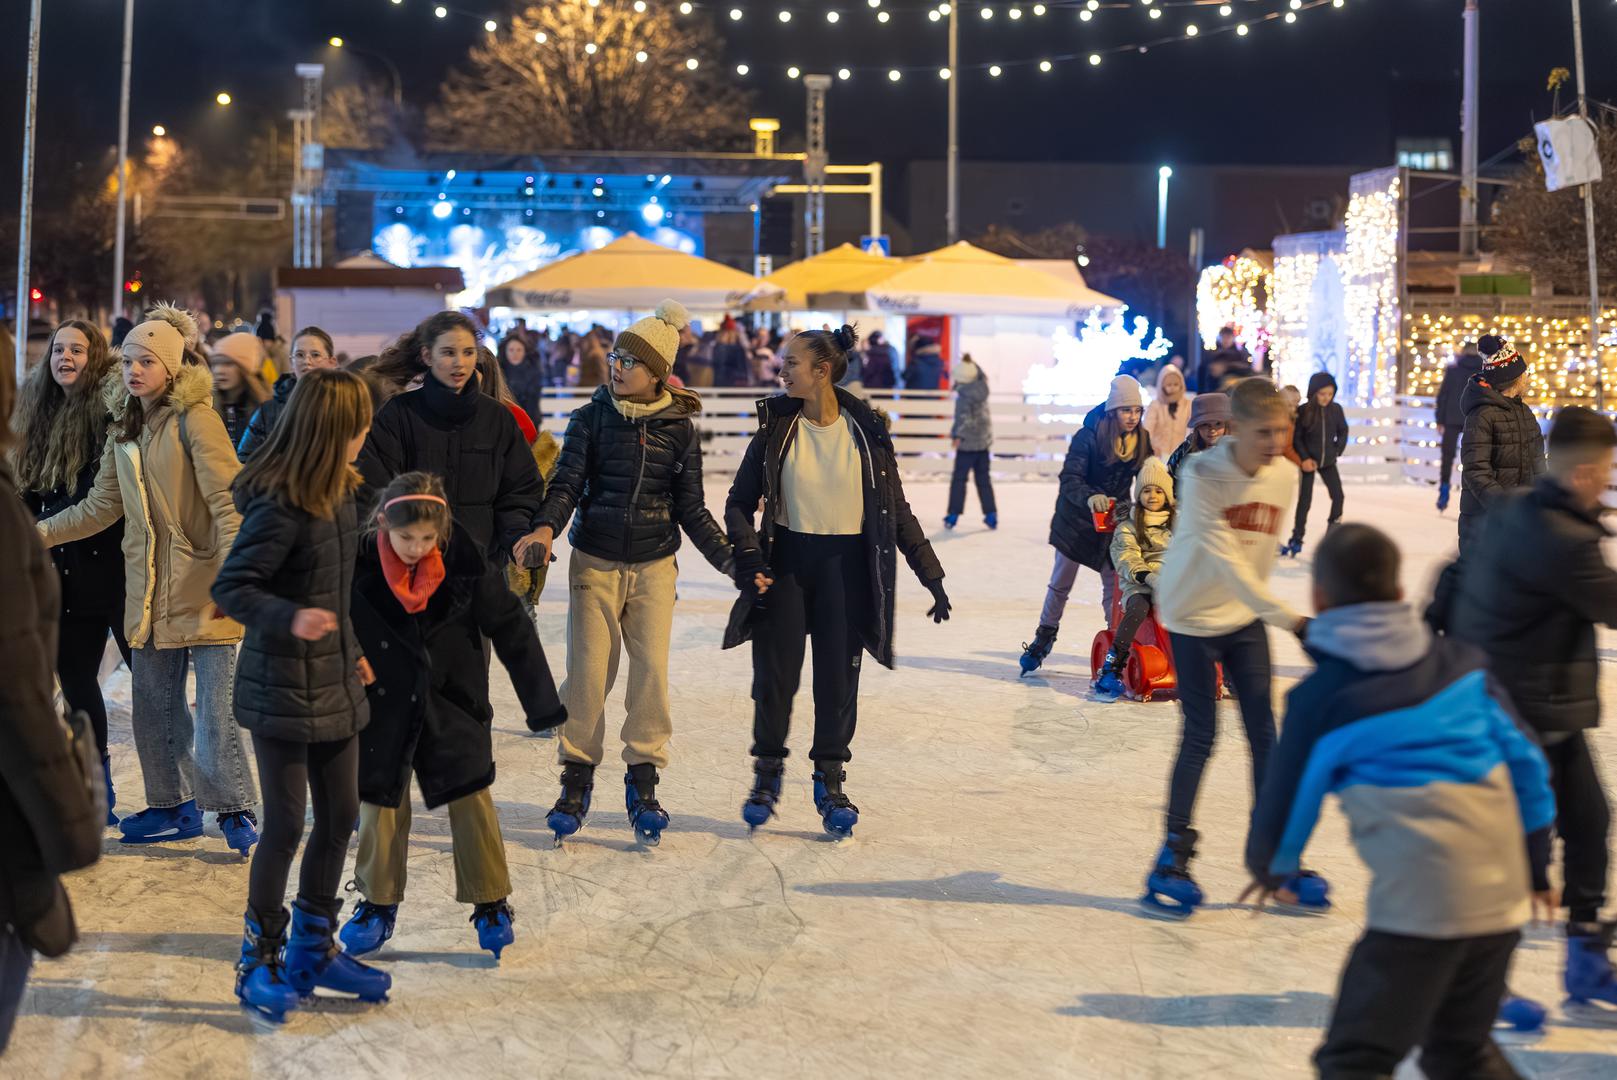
point(1449, 805)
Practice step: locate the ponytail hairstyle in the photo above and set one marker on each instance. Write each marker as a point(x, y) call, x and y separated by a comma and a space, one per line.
point(490, 379)
point(831, 347)
point(60, 431)
point(402, 361)
point(413, 498)
point(305, 462)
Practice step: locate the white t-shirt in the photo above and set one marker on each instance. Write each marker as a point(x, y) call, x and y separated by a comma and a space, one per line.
point(821, 484)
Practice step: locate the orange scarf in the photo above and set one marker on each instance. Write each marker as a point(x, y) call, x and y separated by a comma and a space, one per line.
point(413, 585)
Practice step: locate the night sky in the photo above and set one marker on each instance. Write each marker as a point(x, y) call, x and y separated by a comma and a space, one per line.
point(1335, 88)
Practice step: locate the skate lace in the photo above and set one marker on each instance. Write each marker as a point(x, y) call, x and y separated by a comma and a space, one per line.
point(367, 912)
point(840, 801)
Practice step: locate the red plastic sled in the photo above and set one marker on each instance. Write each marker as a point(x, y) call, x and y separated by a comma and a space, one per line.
point(1150, 669)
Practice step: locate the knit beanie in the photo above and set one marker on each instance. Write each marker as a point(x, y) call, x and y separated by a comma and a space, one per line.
point(1209, 409)
point(1502, 365)
point(966, 371)
point(1154, 473)
point(242, 347)
point(164, 335)
point(1125, 394)
point(654, 341)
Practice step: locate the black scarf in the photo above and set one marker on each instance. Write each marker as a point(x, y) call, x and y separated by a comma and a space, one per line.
point(441, 401)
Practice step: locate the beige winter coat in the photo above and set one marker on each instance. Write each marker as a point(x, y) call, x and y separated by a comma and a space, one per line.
point(172, 487)
point(1167, 431)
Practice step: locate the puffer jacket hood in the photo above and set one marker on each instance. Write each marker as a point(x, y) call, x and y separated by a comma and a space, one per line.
point(1317, 382)
point(1478, 394)
point(1371, 637)
point(171, 484)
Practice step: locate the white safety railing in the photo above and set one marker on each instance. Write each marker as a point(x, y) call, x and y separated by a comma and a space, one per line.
point(1385, 444)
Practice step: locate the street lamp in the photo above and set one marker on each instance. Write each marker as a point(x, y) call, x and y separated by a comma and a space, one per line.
point(392, 68)
point(1163, 175)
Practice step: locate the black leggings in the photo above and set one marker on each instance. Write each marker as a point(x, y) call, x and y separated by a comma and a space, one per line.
point(1305, 499)
point(80, 642)
point(1134, 613)
point(1583, 821)
point(286, 770)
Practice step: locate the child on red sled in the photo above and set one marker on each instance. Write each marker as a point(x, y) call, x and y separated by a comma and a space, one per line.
point(1138, 545)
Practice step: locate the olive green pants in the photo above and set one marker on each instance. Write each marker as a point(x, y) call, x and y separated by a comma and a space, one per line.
point(481, 876)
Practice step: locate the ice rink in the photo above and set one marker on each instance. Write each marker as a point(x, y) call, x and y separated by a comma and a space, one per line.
point(982, 923)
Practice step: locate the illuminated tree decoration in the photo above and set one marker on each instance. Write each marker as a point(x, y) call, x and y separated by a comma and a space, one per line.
point(1370, 288)
point(1235, 293)
point(1085, 363)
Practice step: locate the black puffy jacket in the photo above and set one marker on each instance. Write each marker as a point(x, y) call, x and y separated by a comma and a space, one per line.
point(1502, 449)
point(92, 569)
point(1321, 433)
point(263, 421)
point(47, 823)
point(527, 383)
point(430, 712)
point(474, 444)
point(889, 523)
point(1085, 473)
point(634, 483)
point(1533, 587)
point(285, 559)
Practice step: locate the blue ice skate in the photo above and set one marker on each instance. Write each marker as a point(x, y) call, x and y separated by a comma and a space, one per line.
point(640, 797)
point(838, 815)
point(313, 959)
point(369, 927)
point(1044, 639)
point(1169, 889)
point(567, 816)
point(1589, 976)
point(951, 520)
point(1522, 1015)
point(760, 805)
point(1313, 894)
point(493, 922)
point(991, 520)
point(241, 831)
point(261, 983)
point(159, 824)
point(1109, 686)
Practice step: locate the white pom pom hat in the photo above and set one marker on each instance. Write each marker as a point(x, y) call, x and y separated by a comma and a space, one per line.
point(654, 341)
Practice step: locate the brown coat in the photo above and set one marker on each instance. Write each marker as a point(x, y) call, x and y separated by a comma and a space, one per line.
point(172, 487)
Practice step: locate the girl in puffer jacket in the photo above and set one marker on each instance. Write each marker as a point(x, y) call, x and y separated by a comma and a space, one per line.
point(1138, 546)
point(300, 688)
point(631, 465)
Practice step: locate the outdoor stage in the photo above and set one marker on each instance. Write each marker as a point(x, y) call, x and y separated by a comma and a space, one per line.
point(982, 923)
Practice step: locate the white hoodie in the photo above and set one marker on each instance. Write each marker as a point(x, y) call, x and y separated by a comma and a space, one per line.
point(1215, 576)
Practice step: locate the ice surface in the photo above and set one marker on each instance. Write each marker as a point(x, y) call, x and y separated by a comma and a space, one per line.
point(983, 922)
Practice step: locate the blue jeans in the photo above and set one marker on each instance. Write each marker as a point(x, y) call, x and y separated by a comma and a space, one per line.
point(179, 759)
point(15, 960)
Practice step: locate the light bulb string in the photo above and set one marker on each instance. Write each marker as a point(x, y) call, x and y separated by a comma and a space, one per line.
point(1239, 25)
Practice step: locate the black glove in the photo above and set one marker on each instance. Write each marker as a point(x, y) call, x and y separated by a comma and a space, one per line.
point(747, 564)
point(545, 723)
point(1301, 629)
point(939, 610)
point(1141, 575)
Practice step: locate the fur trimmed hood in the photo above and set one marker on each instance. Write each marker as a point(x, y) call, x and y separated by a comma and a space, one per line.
point(193, 386)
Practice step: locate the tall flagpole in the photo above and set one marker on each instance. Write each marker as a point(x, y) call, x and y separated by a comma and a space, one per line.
point(25, 221)
point(1589, 221)
point(123, 163)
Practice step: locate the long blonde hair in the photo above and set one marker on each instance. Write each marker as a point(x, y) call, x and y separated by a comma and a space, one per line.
point(305, 463)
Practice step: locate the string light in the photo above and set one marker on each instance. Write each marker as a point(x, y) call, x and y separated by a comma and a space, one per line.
point(944, 73)
point(882, 16)
point(1156, 13)
point(994, 70)
point(832, 16)
point(640, 7)
point(1038, 9)
point(1295, 4)
point(742, 69)
point(874, 3)
point(159, 130)
point(1094, 59)
point(1291, 17)
point(793, 72)
point(1093, 5)
point(491, 26)
point(1240, 31)
point(1370, 285)
point(1085, 15)
point(690, 65)
point(933, 15)
point(685, 9)
point(591, 49)
point(539, 36)
point(987, 13)
point(786, 16)
point(735, 14)
point(843, 73)
point(1015, 13)
point(1228, 295)
point(1225, 10)
point(441, 11)
point(1045, 66)
point(1191, 31)
point(641, 57)
point(1337, 3)
point(894, 75)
